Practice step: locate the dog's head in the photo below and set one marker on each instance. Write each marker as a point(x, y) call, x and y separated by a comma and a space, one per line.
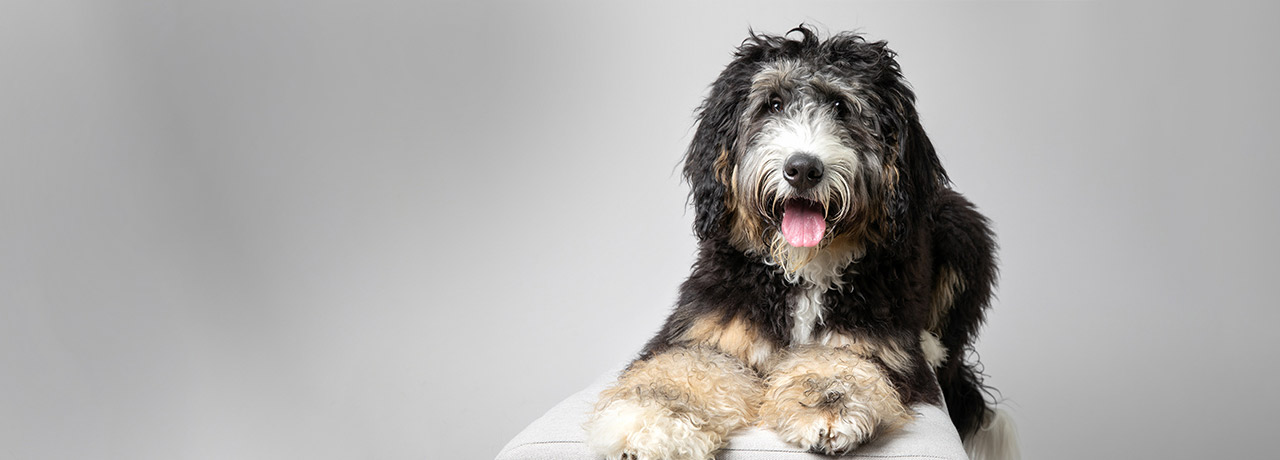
point(806, 143)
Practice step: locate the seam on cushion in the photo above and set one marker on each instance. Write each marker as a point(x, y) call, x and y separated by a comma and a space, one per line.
point(772, 451)
point(548, 442)
point(534, 443)
point(854, 455)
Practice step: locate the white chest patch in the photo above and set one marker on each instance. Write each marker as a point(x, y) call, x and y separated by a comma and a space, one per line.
point(807, 314)
point(821, 273)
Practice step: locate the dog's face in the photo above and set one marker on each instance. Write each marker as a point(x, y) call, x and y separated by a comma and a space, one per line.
point(811, 158)
point(802, 145)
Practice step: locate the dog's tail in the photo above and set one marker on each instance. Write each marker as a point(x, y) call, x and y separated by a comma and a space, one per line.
point(996, 439)
point(988, 430)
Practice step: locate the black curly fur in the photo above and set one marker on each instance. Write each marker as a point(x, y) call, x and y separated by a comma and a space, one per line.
point(927, 227)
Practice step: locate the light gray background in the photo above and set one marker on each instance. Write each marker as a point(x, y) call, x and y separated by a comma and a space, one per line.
point(394, 229)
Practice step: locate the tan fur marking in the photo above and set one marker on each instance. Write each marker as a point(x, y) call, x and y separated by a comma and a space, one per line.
point(682, 403)
point(934, 353)
point(746, 229)
point(948, 285)
point(724, 167)
point(877, 229)
point(829, 399)
point(891, 353)
point(735, 338)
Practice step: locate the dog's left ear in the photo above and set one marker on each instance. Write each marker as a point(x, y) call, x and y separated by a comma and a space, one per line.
point(919, 168)
point(917, 171)
point(708, 163)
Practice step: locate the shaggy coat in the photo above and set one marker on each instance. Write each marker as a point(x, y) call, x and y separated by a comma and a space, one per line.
point(886, 306)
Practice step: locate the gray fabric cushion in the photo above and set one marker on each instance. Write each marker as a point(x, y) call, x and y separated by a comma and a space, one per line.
point(558, 435)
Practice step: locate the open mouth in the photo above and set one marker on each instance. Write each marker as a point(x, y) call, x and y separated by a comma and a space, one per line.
point(803, 222)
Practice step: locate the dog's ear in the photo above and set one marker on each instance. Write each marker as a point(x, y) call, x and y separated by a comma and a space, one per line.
point(912, 166)
point(709, 161)
point(919, 174)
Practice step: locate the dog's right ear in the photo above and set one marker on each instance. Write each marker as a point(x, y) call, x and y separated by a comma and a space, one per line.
point(709, 162)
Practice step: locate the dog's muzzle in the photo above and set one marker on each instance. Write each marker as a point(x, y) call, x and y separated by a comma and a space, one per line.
point(803, 221)
point(803, 171)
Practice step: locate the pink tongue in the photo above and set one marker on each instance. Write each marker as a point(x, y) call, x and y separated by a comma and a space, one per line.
point(803, 225)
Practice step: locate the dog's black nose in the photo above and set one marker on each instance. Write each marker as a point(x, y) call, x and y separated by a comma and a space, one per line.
point(803, 171)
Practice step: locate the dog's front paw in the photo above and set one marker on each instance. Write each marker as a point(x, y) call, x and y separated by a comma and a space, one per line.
point(831, 415)
point(830, 400)
point(635, 430)
point(827, 431)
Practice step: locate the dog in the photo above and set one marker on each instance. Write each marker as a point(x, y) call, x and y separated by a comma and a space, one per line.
point(839, 278)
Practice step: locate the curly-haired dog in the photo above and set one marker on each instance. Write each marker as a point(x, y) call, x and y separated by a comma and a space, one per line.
point(838, 274)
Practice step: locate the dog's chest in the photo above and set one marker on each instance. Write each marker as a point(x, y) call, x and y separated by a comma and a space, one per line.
point(807, 312)
point(824, 270)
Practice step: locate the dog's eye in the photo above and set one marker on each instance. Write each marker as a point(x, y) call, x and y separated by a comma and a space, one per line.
point(841, 108)
point(775, 104)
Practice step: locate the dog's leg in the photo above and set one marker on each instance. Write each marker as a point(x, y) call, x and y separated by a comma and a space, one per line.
point(829, 400)
point(679, 404)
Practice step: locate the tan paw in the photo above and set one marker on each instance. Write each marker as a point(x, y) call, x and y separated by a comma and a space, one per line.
point(627, 429)
point(830, 400)
point(826, 431)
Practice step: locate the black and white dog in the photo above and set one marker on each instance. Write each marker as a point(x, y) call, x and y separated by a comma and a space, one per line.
point(839, 277)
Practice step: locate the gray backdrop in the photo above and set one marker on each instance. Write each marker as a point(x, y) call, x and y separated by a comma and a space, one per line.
point(394, 229)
